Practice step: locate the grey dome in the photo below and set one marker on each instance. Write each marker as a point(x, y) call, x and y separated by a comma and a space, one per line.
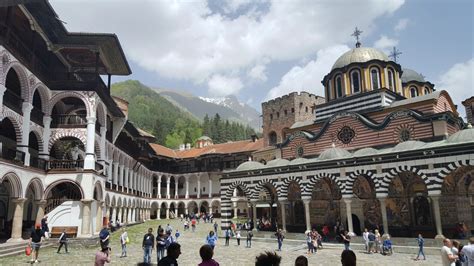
point(249, 165)
point(360, 55)
point(298, 161)
point(408, 145)
point(365, 152)
point(465, 135)
point(411, 75)
point(277, 162)
point(334, 153)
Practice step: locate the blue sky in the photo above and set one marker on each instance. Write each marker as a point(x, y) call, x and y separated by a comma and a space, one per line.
point(261, 49)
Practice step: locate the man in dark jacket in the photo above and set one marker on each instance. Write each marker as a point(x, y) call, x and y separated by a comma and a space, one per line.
point(147, 245)
point(63, 241)
point(173, 252)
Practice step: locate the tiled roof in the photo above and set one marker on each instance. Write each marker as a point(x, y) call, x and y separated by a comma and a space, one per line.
point(223, 148)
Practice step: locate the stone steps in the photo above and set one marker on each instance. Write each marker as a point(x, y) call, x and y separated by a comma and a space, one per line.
point(9, 249)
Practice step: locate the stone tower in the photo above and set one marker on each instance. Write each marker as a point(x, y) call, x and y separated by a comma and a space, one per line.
point(469, 105)
point(281, 113)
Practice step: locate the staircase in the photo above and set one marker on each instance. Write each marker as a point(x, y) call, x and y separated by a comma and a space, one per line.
point(10, 249)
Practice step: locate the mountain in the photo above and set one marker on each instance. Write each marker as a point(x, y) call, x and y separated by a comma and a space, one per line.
point(228, 107)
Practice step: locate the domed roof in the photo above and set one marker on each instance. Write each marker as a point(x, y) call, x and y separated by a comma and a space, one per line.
point(411, 75)
point(365, 152)
point(408, 145)
point(465, 135)
point(334, 153)
point(298, 161)
point(204, 138)
point(277, 162)
point(249, 165)
point(359, 55)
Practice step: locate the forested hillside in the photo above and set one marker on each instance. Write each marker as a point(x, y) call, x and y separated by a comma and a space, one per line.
point(172, 126)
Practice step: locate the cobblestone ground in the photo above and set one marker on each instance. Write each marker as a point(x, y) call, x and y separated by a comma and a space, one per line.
point(190, 243)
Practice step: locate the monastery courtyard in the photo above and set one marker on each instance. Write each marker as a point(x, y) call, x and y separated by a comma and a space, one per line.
point(190, 243)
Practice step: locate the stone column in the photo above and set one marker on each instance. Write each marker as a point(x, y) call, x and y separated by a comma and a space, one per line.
point(26, 109)
point(198, 187)
point(122, 177)
point(17, 219)
point(210, 209)
point(89, 161)
point(283, 214)
point(115, 173)
point(86, 217)
point(119, 215)
point(98, 218)
point(167, 212)
point(437, 216)
point(187, 187)
point(2, 92)
point(383, 209)
point(210, 187)
point(168, 182)
point(159, 187)
point(46, 136)
point(114, 214)
point(234, 204)
point(125, 182)
point(307, 214)
point(254, 214)
point(176, 188)
point(40, 213)
point(349, 214)
point(158, 211)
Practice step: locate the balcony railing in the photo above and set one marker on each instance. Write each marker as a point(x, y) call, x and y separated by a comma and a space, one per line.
point(69, 120)
point(13, 101)
point(37, 116)
point(38, 163)
point(12, 154)
point(51, 204)
point(66, 164)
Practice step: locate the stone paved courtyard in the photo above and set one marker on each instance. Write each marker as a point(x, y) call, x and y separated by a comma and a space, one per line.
point(190, 243)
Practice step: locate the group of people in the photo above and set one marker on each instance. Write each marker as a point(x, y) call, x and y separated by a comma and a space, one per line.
point(372, 240)
point(37, 236)
point(314, 241)
point(453, 253)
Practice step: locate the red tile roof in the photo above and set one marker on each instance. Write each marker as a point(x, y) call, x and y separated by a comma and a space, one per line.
point(223, 148)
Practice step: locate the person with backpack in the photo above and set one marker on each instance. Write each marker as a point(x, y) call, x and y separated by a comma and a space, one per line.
point(123, 242)
point(62, 241)
point(421, 243)
point(211, 239)
point(147, 245)
point(160, 245)
point(279, 235)
point(104, 236)
point(249, 239)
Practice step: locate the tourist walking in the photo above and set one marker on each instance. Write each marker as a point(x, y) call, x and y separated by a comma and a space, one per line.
point(147, 245)
point(123, 242)
point(44, 226)
point(309, 242)
point(211, 239)
point(248, 243)
point(172, 254)
point(346, 238)
point(365, 236)
point(378, 241)
point(421, 243)
point(279, 235)
point(237, 236)
point(36, 237)
point(62, 241)
point(160, 245)
point(177, 235)
point(102, 256)
point(216, 226)
point(227, 233)
point(104, 236)
point(468, 251)
point(207, 252)
point(193, 224)
point(447, 256)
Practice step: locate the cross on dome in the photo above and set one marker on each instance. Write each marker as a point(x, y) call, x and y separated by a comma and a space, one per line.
point(356, 34)
point(394, 54)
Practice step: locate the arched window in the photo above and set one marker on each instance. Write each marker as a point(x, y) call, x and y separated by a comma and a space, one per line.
point(413, 92)
point(355, 81)
point(339, 86)
point(375, 78)
point(391, 80)
point(426, 91)
point(272, 138)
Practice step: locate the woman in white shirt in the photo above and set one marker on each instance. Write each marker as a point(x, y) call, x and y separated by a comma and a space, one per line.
point(123, 242)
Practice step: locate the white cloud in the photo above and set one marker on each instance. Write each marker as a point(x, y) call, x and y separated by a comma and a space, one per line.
point(308, 78)
point(222, 86)
point(459, 83)
point(385, 43)
point(401, 24)
point(187, 40)
point(258, 72)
